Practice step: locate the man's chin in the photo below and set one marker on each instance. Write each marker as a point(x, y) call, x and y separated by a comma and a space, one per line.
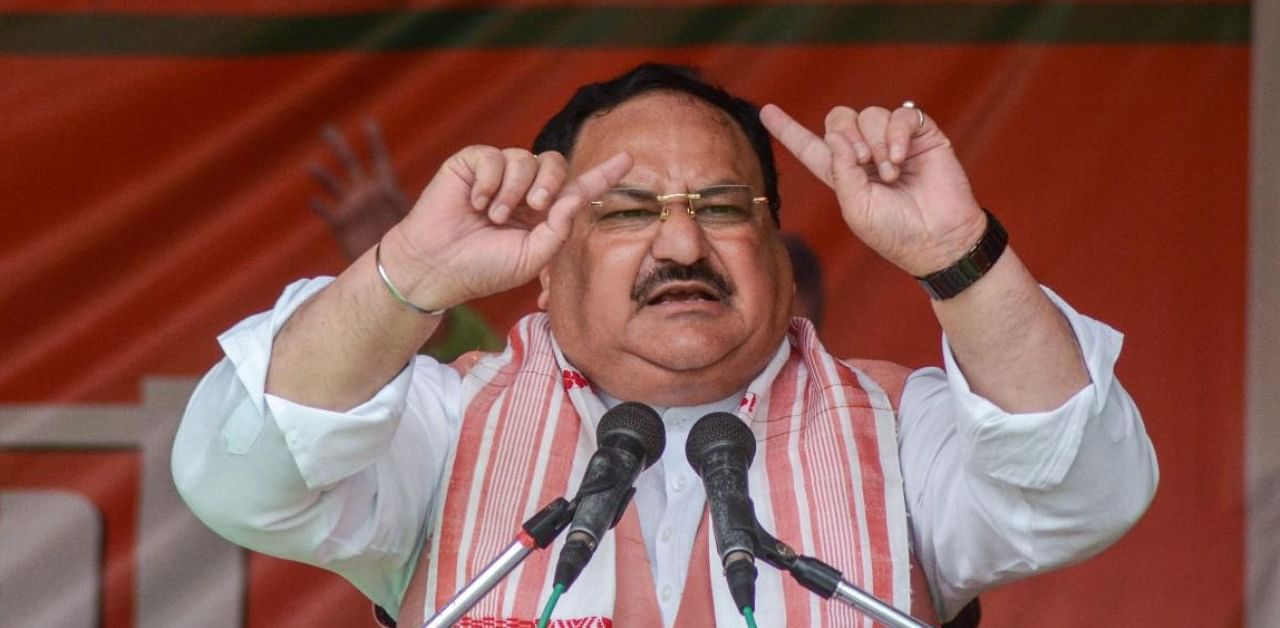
point(686, 350)
point(682, 361)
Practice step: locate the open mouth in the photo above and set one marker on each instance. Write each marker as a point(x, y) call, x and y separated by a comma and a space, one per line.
point(676, 283)
point(683, 292)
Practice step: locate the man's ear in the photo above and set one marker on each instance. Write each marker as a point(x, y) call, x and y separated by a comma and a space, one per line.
point(544, 278)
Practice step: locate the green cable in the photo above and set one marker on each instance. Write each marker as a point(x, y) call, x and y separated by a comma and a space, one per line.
point(551, 604)
point(750, 615)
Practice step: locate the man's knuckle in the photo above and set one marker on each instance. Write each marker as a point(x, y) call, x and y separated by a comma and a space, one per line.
point(552, 155)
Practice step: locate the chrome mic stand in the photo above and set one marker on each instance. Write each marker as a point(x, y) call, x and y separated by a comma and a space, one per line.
point(828, 582)
point(536, 533)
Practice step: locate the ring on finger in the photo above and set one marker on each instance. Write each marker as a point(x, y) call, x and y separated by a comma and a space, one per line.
point(911, 104)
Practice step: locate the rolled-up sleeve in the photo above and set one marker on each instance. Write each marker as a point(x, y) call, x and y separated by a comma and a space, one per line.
point(349, 491)
point(995, 496)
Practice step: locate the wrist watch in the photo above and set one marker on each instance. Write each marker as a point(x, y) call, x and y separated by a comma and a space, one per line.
point(953, 280)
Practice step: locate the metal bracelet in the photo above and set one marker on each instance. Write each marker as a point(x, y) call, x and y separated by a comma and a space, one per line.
point(395, 292)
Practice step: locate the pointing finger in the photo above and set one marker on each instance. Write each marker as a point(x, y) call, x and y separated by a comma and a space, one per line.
point(799, 141)
point(586, 187)
point(549, 235)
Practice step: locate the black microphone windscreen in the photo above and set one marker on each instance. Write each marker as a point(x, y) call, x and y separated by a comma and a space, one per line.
point(630, 438)
point(640, 422)
point(716, 430)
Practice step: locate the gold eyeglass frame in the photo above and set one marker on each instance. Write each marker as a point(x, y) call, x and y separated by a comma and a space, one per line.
point(666, 199)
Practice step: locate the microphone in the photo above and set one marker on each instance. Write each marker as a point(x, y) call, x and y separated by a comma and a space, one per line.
point(720, 449)
point(631, 438)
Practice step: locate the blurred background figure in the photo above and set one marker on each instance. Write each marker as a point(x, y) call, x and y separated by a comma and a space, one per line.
point(361, 204)
point(808, 276)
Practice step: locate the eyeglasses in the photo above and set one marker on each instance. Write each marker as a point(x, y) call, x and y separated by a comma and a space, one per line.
point(626, 210)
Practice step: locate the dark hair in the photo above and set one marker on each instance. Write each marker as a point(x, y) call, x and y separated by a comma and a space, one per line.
point(561, 131)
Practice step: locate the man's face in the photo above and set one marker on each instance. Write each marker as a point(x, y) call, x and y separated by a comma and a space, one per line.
point(675, 313)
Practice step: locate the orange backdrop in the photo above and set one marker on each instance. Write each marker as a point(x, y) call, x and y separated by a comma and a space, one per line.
point(152, 197)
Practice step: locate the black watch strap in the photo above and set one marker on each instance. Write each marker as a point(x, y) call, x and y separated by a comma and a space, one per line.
point(953, 279)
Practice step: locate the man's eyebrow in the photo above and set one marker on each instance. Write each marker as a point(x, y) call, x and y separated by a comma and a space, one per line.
point(726, 181)
point(645, 193)
point(639, 194)
point(720, 183)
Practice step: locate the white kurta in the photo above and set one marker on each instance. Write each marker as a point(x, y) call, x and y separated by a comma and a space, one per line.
point(991, 496)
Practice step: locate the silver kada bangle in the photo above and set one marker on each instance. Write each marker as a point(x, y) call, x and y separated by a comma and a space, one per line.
point(395, 292)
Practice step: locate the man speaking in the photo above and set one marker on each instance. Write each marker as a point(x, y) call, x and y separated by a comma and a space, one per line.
point(649, 212)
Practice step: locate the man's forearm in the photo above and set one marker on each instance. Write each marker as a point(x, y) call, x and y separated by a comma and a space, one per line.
point(347, 341)
point(1015, 348)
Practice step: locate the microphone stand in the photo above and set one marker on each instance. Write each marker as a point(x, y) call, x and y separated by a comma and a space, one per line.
point(827, 581)
point(536, 533)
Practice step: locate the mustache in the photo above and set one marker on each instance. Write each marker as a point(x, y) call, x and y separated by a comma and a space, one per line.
point(699, 271)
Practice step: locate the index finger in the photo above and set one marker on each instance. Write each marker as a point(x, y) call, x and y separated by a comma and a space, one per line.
point(586, 187)
point(547, 236)
point(799, 141)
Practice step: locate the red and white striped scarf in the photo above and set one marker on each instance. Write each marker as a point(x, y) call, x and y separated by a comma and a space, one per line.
point(826, 479)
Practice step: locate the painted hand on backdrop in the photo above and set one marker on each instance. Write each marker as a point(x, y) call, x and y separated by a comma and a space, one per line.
point(368, 200)
point(900, 187)
point(490, 219)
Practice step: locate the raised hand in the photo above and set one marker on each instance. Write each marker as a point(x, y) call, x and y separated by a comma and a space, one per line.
point(900, 187)
point(367, 201)
point(489, 221)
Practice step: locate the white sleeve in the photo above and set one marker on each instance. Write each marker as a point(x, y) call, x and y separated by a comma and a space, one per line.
point(349, 491)
point(994, 496)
